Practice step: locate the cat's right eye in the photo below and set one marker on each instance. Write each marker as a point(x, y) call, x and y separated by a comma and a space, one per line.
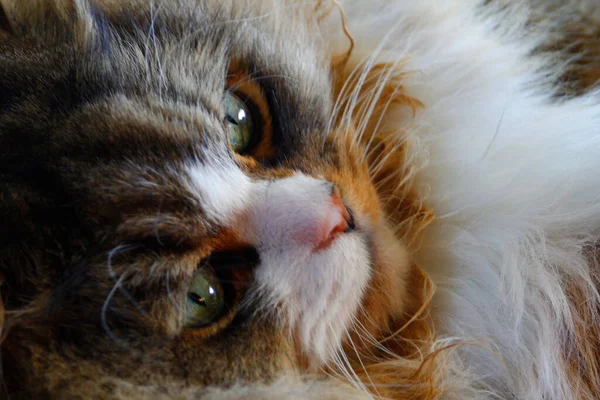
point(240, 122)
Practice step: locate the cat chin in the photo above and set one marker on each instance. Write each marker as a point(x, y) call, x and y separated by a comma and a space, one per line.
point(317, 294)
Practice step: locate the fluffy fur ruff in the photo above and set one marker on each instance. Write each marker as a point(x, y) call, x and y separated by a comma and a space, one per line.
point(510, 169)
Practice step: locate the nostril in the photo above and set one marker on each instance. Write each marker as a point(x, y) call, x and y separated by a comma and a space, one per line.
point(332, 189)
point(340, 220)
point(350, 220)
point(342, 227)
point(336, 197)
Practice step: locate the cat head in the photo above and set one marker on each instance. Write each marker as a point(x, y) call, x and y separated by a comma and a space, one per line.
point(182, 206)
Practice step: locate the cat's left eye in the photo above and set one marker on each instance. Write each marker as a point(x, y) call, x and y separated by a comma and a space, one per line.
point(205, 303)
point(241, 124)
point(215, 289)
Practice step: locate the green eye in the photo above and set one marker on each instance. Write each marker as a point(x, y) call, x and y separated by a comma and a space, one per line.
point(205, 302)
point(240, 124)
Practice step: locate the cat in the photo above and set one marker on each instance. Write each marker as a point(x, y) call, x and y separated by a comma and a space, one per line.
point(283, 199)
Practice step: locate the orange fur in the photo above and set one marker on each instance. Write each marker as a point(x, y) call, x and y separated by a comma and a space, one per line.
point(398, 359)
point(582, 353)
point(416, 367)
point(394, 357)
point(386, 147)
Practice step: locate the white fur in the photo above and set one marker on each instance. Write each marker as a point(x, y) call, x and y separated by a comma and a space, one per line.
point(221, 187)
point(319, 291)
point(513, 178)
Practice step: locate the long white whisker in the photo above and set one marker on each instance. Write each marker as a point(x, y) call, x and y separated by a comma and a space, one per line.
point(367, 149)
point(342, 97)
point(376, 95)
point(351, 105)
point(104, 311)
point(113, 276)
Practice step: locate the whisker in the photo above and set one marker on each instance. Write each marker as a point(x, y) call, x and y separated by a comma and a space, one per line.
point(341, 98)
point(383, 157)
point(362, 365)
point(375, 96)
point(104, 312)
point(149, 34)
point(499, 125)
point(113, 276)
point(352, 101)
point(367, 150)
point(172, 299)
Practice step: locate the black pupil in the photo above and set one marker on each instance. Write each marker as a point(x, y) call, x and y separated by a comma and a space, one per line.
point(231, 120)
point(197, 299)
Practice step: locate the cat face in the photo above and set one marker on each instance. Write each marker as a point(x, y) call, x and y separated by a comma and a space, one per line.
point(184, 210)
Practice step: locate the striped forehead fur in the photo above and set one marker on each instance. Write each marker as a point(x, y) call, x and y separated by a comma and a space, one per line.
point(227, 26)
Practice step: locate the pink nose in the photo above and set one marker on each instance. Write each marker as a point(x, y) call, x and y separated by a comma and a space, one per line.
point(337, 221)
point(297, 214)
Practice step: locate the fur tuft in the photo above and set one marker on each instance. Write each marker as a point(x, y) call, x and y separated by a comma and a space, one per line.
point(509, 168)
